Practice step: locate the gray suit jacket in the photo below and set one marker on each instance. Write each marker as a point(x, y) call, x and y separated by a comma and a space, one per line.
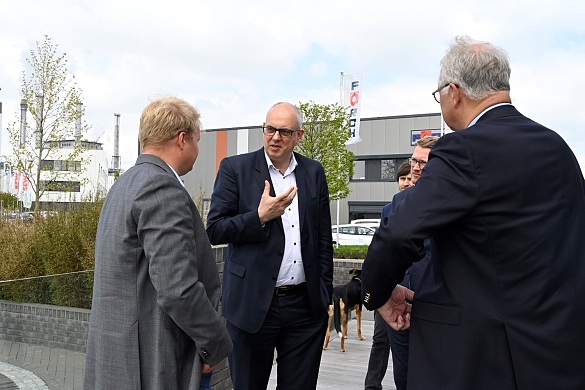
point(154, 318)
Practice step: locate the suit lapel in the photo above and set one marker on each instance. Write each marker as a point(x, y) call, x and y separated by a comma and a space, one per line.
point(302, 192)
point(263, 174)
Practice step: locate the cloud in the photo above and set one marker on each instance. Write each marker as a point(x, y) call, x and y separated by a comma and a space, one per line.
point(233, 59)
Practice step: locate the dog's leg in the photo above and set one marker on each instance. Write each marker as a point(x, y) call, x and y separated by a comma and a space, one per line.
point(358, 314)
point(343, 334)
point(328, 332)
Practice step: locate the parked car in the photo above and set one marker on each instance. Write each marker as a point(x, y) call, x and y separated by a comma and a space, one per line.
point(373, 223)
point(352, 234)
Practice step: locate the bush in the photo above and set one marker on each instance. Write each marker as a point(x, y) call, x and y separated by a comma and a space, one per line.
point(60, 243)
point(350, 252)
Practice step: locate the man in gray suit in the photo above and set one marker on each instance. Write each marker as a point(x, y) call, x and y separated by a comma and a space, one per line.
point(154, 321)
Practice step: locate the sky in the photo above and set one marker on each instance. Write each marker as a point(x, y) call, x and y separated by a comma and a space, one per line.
point(233, 59)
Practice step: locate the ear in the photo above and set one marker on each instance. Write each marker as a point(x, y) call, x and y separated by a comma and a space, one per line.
point(300, 135)
point(181, 139)
point(456, 95)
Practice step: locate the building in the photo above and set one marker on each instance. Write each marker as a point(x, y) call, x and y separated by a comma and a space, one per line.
point(77, 179)
point(386, 143)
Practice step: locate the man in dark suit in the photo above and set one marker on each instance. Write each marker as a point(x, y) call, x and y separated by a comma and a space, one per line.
point(154, 321)
point(501, 303)
point(272, 207)
point(399, 339)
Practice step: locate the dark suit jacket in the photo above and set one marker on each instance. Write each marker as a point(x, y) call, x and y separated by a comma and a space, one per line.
point(502, 302)
point(414, 273)
point(255, 253)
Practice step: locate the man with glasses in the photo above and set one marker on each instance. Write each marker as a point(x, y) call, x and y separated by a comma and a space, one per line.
point(501, 303)
point(399, 338)
point(271, 207)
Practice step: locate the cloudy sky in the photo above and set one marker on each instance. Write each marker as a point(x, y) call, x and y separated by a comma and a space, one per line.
point(233, 59)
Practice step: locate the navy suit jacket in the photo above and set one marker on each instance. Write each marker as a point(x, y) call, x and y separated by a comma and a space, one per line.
point(502, 302)
point(255, 252)
point(414, 273)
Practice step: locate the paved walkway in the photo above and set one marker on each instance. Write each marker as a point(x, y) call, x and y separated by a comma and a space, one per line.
point(347, 370)
point(33, 367)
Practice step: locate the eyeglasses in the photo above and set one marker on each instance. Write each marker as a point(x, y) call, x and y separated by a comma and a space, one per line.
point(438, 91)
point(414, 161)
point(285, 133)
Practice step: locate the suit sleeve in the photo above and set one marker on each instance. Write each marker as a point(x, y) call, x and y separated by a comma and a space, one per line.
point(445, 192)
point(227, 221)
point(165, 227)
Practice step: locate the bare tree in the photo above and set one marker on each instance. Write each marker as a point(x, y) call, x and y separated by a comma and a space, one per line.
point(53, 100)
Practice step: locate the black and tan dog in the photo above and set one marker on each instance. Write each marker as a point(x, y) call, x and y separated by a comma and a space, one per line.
point(345, 299)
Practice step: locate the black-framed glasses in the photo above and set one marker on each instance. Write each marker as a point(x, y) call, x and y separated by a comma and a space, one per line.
point(414, 161)
point(285, 133)
point(438, 91)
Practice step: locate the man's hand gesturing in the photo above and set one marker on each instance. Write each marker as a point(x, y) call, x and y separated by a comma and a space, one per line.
point(273, 207)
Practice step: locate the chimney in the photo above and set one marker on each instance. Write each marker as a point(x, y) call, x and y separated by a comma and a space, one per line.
point(23, 108)
point(116, 157)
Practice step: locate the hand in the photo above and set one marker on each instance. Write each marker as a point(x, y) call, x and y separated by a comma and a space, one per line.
point(273, 207)
point(207, 368)
point(396, 312)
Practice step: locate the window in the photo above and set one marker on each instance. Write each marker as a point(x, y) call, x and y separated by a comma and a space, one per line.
point(61, 165)
point(61, 186)
point(364, 230)
point(47, 165)
point(377, 169)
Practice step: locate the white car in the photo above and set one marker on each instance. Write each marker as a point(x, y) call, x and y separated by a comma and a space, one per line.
point(352, 234)
point(373, 223)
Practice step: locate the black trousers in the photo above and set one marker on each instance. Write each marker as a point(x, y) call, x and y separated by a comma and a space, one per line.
point(399, 342)
point(379, 353)
point(297, 336)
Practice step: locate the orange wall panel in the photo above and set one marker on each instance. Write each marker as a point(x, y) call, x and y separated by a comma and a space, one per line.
point(220, 148)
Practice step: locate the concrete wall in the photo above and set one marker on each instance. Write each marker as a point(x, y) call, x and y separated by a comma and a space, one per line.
point(67, 328)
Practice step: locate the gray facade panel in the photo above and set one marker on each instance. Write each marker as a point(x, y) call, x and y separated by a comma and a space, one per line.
point(382, 138)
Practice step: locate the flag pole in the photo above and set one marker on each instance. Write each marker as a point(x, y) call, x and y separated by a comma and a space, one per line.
point(341, 102)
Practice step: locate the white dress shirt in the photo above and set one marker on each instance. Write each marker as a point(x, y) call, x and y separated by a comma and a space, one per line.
point(291, 268)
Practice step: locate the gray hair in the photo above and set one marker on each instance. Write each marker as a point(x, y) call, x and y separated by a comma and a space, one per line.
point(478, 68)
point(297, 109)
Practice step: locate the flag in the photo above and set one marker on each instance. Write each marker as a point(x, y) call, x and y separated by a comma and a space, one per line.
point(352, 89)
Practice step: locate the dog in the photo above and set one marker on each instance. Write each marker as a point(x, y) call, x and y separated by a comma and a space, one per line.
point(345, 298)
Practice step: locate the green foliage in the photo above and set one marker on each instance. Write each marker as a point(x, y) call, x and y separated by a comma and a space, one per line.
point(326, 131)
point(59, 243)
point(51, 96)
point(8, 201)
point(350, 252)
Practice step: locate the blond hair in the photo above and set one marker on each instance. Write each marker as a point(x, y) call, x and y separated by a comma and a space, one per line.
point(427, 142)
point(163, 119)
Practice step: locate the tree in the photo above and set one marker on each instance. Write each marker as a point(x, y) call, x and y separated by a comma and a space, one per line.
point(326, 131)
point(53, 100)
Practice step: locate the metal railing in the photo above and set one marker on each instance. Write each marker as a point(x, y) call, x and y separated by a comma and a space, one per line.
point(72, 289)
